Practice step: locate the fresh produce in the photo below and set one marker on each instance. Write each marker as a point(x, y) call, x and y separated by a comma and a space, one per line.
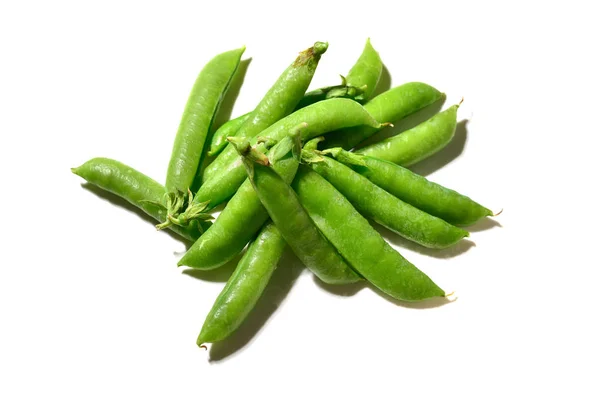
point(356, 240)
point(414, 189)
point(390, 106)
point(231, 128)
point(292, 176)
point(202, 105)
point(292, 220)
point(244, 287)
point(418, 143)
point(243, 216)
point(386, 209)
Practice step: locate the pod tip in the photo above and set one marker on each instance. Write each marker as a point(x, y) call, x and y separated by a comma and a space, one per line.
point(320, 47)
point(452, 297)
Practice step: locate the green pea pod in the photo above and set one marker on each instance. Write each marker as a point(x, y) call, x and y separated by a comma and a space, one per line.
point(279, 101)
point(375, 203)
point(414, 189)
point(322, 117)
point(229, 128)
point(294, 224)
point(359, 85)
point(244, 287)
point(390, 106)
point(133, 186)
point(202, 105)
point(366, 71)
point(360, 244)
point(243, 216)
point(417, 143)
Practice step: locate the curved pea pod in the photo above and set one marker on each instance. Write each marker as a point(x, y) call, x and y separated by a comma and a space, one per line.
point(133, 186)
point(390, 106)
point(279, 101)
point(203, 103)
point(417, 143)
point(366, 71)
point(382, 207)
point(229, 128)
point(414, 189)
point(322, 117)
point(293, 222)
point(360, 244)
point(244, 287)
point(243, 216)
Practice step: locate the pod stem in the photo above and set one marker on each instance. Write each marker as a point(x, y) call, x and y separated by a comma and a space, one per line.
point(344, 156)
point(247, 151)
point(311, 156)
point(312, 144)
point(313, 52)
point(345, 91)
point(194, 212)
point(249, 154)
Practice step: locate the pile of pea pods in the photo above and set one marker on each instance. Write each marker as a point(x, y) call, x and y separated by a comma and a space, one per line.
point(292, 173)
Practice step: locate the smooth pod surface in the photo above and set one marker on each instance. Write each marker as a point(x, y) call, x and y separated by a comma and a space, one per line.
point(244, 287)
point(417, 143)
point(385, 209)
point(366, 71)
point(236, 225)
point(360, 244)
point(229, 128)
point(203, 103)
point(278, 102)
point(133, 186)
point(390, 106)
point(296, 227)
point(420, 192)
point(322, 117)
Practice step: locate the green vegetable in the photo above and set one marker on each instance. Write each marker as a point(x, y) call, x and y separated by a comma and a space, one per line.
point(375, 203)
point(201, 107)
point(244, 215)
point(366, 71)
point(279, 101)
point(244, 287)
point(135, 187)
point(294, 224)
point(390, 106)
point(417, 143)
point(414, 189)
point(360, 244)
point(321, 117)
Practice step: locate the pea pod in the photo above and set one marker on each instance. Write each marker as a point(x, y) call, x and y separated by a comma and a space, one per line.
point(321, 117)
point(231, 128)
point(385, 209)
point(202, 105)
point(357, 241)
point(279, 101)
point(358, 85)
point(414, 189)
point(366, 71)
point(133, 186)
point(294, 224)
point(417, 143)
point(243, 216)
point(244, 287)
point(390, 106)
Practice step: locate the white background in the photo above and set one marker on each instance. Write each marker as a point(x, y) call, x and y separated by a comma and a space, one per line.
point(92, 305)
